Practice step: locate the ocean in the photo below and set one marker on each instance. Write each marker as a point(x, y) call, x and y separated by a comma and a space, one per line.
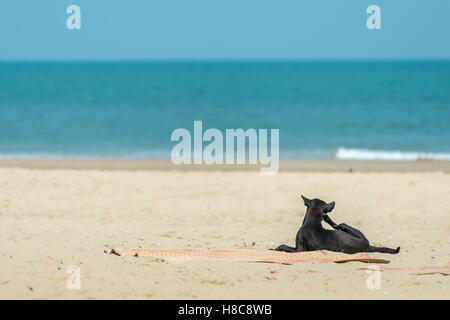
point(386, 110)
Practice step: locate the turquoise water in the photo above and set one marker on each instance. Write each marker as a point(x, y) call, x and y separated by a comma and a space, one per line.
point(343, 110)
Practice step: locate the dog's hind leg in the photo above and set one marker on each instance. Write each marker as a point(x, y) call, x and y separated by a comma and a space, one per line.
point(328, 220)
point(384, 250)
point(350, 230)
point(285, 248)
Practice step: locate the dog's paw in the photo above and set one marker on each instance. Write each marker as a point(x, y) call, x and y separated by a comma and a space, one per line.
point(397, 250)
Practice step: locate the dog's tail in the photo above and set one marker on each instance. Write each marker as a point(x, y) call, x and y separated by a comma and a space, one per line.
point(384, 250)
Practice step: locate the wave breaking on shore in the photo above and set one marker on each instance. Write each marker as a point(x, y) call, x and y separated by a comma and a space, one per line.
point(366, 154)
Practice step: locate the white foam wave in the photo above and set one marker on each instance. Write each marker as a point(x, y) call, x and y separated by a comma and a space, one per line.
point(365, 154)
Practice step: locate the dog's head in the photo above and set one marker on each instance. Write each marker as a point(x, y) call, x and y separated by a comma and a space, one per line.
point(318, 205)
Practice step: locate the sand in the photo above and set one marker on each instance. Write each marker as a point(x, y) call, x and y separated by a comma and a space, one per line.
point(55, 216)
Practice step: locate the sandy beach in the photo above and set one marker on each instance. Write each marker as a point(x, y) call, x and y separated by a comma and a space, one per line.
point(54, 214)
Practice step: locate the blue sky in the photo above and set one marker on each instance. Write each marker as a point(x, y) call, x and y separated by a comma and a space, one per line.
point(224, 29)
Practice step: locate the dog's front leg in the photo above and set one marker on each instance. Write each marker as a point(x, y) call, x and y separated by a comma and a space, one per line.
point(285, 248)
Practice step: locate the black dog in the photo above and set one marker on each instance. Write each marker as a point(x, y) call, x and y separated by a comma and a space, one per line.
point(312, 236)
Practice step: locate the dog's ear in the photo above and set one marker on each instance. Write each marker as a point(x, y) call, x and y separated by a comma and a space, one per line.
point(329, 207)
point(306, 201)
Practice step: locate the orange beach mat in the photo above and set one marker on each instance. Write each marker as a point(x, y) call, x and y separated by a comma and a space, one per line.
point(247, 255)
point(441, 268)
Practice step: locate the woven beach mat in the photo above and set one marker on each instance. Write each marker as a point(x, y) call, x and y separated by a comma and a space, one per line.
point(441, 268)
point(247, 255)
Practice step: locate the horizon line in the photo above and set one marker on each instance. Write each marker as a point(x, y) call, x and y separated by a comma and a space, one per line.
point(218, 60)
